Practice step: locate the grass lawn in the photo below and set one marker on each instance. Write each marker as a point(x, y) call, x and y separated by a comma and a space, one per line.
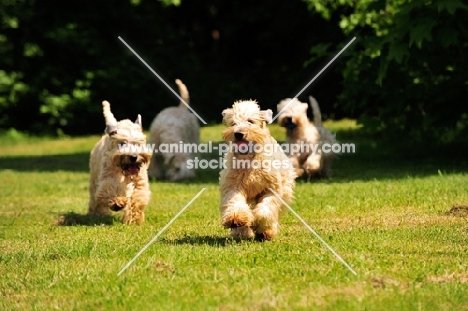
point(387, 211)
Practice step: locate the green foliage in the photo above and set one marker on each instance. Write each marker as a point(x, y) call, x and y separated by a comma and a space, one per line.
point(404, 75)
point(13, 135)
point(59, 60)
point(407, 70)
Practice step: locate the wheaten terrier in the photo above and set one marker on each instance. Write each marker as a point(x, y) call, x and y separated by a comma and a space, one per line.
point(173, 128)
point(305, 140)
point(254, 164)
point(119, 179)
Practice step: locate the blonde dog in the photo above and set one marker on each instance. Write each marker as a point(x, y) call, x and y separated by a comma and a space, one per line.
point(118, 179)
point(310, 160)
point(248, 206)
point(172, 126)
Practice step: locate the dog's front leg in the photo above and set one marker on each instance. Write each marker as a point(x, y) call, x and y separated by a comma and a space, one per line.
point(236, 214)
point(109, 195)
point(313, 164)
point(297, 166)
point(135, 211)
point(266, 214)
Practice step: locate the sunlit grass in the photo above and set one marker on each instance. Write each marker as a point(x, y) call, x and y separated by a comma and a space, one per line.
point(387, 215)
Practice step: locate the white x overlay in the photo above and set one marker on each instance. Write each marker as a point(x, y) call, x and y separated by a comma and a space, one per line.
point(162, 80)
point(313, 79)
point(315, 233)
point(201, 191)
point(160, 232)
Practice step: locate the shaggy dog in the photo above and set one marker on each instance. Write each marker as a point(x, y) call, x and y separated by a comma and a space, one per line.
point(172, 126)
point(119, 179)
point(254, 164)
point(308, 158)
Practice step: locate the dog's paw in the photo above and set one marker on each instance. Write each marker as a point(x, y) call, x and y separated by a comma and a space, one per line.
point(238, 219)
point(118, 203)
point(267, 235)
point(313, 165)
point(243, 232)
point(133, 221)
point(299, 172)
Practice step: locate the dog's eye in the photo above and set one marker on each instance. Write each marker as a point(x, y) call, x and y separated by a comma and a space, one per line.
point(250, 121)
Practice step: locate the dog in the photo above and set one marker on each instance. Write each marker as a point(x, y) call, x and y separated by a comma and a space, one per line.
point(118, 179)
point(300, 132)
point(248, 207)
point(174, 125)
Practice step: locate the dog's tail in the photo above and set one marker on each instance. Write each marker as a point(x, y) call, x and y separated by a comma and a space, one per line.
point(110, 119)
point(316, 112)
point(183, 93)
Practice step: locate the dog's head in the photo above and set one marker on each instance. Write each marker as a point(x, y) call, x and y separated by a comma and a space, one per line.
point(293, 115)
point(246, 125)
point(126, 143)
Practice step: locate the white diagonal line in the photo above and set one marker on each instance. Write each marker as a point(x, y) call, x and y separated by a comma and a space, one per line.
point(159, 233)
point(162, 80)
point(313, 79)
point(315, 233)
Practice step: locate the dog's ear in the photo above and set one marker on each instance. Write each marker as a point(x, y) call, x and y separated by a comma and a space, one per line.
point(110, 119)
point(304, 107)
point(111, 129)
point(267, 115)
point(280, 107)
point(287, 102)
point(138, 121)
point(226, 113)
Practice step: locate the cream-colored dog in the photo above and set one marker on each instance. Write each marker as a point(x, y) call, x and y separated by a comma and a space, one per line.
point(172, 126)
point(255, 164)
point(119, 179)
point(311, 161)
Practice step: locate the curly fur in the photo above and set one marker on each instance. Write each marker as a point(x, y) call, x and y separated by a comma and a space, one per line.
point(118, 179)
point(247, 205)
point(171, 126)
point(300, 130)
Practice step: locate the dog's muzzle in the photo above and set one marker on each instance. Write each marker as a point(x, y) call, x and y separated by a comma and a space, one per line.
point(289, 124)
point(241, 144)
point(132, 168)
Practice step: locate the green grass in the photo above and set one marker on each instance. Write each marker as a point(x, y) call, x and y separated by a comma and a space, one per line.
point(385, 211)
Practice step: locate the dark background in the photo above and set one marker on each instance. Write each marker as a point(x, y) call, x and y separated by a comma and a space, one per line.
point(405, 73)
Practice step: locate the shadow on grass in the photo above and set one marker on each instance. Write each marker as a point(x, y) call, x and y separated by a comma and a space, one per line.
point(374, 159)
point(216, 241)
point(458, 211)
point(202, 177)
point(74, 219)
point(77, 162)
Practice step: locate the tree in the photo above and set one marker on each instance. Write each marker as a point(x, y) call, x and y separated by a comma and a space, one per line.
point(406, 74)
point(59, 59)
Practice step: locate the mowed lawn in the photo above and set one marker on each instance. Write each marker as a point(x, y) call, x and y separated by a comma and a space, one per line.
point(398, 216)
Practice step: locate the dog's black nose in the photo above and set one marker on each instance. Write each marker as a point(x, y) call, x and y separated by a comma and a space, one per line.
point(133, 159)
point(238, 136)
point(289, 124)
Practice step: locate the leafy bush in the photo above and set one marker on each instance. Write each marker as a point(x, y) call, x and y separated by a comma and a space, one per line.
point(406, 73)
point(60, 59)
